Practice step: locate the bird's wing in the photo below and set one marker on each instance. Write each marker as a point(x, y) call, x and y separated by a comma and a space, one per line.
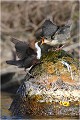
point(31, 60)
point(38, 33)
point(18, 63)
point(48, 28)
point(22, 48)
point(63, 33)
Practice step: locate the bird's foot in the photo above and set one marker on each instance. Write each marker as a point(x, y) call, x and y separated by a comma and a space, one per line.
point(30, 74)
point(59, 48)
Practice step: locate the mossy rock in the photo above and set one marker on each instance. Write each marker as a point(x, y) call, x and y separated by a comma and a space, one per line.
point(52, 65)
point(54, 89)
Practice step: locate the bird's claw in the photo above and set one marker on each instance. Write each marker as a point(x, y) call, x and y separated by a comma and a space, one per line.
point(30, 75)
point(60, 48)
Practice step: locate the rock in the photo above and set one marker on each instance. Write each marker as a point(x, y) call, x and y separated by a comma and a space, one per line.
point(54, 89)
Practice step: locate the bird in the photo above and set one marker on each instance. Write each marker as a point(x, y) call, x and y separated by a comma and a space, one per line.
point(54, 35)
point(28, 53)
point(47, 29)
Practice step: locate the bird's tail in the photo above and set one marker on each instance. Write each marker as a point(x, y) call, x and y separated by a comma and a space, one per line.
point(18, 63)
point(12, 62)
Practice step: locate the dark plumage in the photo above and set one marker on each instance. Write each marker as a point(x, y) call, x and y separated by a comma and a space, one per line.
point(25, 63)
point(49, 29)
point(26, 53)
point(57, 36)
point(23, 49)
point(63, 33)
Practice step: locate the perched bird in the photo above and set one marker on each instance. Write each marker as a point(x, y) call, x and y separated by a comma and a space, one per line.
point(47, 30)
point(54, 35)
point(28, 53)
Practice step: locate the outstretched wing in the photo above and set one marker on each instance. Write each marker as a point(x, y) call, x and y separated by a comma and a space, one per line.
point(63, 33)
point(22, 48)
point(18, 63)
point(48, 28)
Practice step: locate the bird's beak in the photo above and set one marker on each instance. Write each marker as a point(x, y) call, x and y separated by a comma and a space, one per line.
point(42, 41)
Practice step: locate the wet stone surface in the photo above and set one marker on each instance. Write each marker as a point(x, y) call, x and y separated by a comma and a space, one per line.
point(53, 90)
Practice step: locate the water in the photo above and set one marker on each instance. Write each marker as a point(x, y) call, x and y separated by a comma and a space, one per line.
point(6, 100)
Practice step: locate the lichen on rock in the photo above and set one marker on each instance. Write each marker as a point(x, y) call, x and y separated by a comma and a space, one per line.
point(54, 88)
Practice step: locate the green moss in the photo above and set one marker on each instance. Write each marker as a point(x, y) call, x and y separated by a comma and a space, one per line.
point(51, 65)
point(54, 56)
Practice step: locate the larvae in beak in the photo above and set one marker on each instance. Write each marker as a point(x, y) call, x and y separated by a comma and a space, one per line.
point(42, 40)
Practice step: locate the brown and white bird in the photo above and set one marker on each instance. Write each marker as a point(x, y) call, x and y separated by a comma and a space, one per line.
point(28, 53)
point(54, 35)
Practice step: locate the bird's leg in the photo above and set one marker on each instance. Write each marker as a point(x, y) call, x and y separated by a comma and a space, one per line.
point(28, 73)
point(59, 48)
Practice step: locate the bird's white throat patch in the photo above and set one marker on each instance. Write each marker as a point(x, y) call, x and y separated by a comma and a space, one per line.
point(38, 50)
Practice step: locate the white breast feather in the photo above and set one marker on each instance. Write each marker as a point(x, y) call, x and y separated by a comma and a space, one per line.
point(38, 50)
